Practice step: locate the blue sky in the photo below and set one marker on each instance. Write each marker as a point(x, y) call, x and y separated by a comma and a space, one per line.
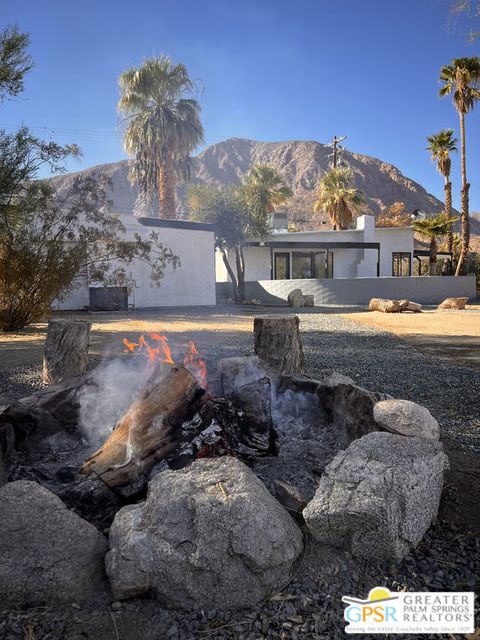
point(271, 70)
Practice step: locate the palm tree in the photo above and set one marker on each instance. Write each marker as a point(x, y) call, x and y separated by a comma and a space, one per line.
point(265, 189)
point(162, 125)
point(440, 145)
point(338, 197)
point(461, 79)
point(431, 228)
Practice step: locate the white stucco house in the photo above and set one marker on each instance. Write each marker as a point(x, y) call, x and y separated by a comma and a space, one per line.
point(192, 283)
point(346, 267)
point(365, 251)
point(339, 267)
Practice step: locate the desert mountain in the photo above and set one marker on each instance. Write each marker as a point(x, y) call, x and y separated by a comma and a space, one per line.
point(300, 162)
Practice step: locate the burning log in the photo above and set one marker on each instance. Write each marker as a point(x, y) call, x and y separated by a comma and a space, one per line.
point(278, 342)
point(66, 349)
point(149, 429)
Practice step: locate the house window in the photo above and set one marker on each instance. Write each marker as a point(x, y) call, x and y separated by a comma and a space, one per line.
point(323, 264)
point(282, 266)
point(301, 265)
point(401, 264)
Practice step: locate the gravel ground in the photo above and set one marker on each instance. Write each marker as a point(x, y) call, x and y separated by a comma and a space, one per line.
point(309, 607)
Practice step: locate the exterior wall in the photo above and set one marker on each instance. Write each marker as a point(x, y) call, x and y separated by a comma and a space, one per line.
point(347, 263)
point(391, 240)
point(191, 284)
point(426, 290)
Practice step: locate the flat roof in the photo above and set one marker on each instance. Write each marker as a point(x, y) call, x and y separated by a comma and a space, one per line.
point(168, 223)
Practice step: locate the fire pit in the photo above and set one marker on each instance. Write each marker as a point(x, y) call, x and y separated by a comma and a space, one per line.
point(220, 452)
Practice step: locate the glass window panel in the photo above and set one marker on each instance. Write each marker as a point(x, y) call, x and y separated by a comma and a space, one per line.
point(301, 265)
point(320, 265)
point(282, 266)
point(401, 264)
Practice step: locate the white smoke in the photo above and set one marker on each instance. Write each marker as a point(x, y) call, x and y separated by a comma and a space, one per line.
point(102, 404)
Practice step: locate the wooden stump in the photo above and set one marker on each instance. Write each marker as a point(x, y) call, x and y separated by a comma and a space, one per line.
point(278, 342)
point(66, 349)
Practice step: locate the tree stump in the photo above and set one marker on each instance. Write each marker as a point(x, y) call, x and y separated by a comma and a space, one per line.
point(66, 349)
point(278, 342)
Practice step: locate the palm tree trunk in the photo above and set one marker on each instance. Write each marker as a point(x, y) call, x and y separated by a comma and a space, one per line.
point(229, 269)
point(432, 257)
point(240, 273)
point(465, 220)
point(448, 211)
point(166, 187)
point(465, 230)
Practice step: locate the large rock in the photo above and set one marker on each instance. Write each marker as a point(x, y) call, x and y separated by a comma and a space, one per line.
point(406, 418)
point(387, 306)
point(210, 535)
point(31, 425)
point(453, 303)
point(47, 553)
point(378, 498)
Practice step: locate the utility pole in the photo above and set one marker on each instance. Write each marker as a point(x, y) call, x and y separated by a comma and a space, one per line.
point(335, 144)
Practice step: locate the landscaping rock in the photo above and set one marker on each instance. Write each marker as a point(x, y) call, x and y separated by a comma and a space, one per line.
point(289, 497)
point(31, 425)
point(385, 305)
point(378, 498)
point(47, 553)
point(348, 407)
point(295, 298)
point(208, 536)
point(453, 303)
point(406, 418)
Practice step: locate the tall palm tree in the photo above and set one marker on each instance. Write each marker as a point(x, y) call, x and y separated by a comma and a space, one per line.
point(432, 228)
point(338, 197)
point(461, 78)
point(162, 125)
point(265, 188)
point(441, 145)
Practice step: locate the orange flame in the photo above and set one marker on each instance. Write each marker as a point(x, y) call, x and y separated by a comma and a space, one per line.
point(196, 365)
point(192, 360)
point(162, 352)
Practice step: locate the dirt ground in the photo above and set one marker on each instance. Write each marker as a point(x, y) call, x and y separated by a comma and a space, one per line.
point(450, 335)
point(109, 329)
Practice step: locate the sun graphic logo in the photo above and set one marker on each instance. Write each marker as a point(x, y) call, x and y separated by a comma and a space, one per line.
point(378, 609)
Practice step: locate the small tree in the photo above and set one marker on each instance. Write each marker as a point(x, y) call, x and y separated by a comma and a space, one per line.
point(239, 213)
point(338, 197)
point(432, 228)
point(48, 239)
point(225, 208)
point(441, 145)
point(395, 216)
point(15, 62)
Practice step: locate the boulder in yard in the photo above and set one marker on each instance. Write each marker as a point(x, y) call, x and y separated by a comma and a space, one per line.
point(387, 306)
point(47, 553)
point(378, 498)
point(406, 418)
point(210, 535)
point(453, 304)
point(408, 305)
point(295, 298)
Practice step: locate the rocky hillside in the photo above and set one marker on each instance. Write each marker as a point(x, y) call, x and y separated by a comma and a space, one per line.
point(301, 163)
